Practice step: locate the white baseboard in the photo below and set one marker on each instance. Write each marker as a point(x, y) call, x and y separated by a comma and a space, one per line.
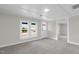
point(53, 38)
point(11, 44)
point(75, 43)
point(6, 45)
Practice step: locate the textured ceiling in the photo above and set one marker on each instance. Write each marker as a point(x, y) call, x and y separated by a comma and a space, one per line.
point(56, 11)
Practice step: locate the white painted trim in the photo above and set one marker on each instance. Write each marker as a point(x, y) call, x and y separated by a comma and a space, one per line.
point(56, 38)
point(6, 45)
point(73, 43)
point(57, 30)
point(53, 38)
point(68, 29)
point(62, 21)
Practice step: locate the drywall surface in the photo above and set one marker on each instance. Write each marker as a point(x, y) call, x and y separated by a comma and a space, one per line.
point(63, 29)
point(10, 30)
point(74, 29)
point(52, 29)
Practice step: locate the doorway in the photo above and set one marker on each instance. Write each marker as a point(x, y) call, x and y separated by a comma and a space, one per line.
point(62, 32)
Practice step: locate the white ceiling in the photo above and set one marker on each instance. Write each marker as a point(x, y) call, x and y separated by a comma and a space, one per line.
point(57, 11)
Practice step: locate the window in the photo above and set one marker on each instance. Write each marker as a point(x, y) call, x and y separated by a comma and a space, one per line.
point(28, 29)
point(33, 29)
point(44, 26)
point(24, 29)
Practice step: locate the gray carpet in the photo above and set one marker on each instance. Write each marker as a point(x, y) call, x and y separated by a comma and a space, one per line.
point(44, 46)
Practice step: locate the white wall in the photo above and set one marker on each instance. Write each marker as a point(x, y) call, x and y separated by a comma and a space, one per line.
point(52, 29)
point(63, 29)
point(9, 30)
point(74, 29)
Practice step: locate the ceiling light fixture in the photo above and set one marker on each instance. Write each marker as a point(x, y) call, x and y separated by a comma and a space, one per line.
point(46, 10)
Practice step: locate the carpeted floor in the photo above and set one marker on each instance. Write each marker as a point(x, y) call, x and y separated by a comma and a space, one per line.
point(44, 46)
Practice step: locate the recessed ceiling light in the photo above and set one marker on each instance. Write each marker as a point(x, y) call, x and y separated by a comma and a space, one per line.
point(46, 10)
